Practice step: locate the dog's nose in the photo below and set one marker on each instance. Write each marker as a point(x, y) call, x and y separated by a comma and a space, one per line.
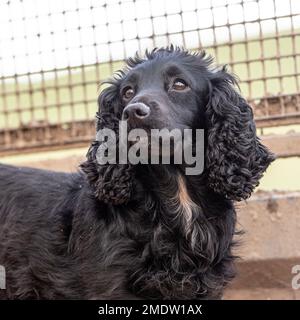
point(136, 110)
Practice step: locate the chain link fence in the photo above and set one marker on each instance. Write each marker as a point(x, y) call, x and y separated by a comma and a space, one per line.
point(54, 53)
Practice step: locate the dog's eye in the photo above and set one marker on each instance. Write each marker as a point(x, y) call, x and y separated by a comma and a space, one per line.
point(128, 93)
point(179, 85)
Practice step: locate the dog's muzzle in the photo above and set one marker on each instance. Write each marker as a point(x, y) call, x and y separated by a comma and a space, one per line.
point(137, 111)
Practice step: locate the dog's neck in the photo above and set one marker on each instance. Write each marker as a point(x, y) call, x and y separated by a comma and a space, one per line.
point(172, 190)
point(183, 239)
point(170, 180)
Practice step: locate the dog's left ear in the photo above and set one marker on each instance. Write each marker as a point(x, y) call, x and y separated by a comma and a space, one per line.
point(235, 157)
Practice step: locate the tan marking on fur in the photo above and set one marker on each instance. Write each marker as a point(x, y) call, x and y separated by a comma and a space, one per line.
point(185, 202)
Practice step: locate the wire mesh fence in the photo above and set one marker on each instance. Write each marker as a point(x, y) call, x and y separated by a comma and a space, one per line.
point(54, 53)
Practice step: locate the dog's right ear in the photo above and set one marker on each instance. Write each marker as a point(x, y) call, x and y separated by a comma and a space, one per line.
point(112, 183)
point(109, 100)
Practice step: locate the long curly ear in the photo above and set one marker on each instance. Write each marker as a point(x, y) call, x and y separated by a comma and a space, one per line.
point(112, 183)
point(235, 157)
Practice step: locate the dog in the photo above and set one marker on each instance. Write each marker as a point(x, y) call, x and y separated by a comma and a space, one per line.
point(138, 231)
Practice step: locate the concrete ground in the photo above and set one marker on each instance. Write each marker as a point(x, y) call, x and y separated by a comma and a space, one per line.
point(264, 280)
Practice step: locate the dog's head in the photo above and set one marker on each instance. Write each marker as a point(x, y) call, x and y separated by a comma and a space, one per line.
point(174, 89)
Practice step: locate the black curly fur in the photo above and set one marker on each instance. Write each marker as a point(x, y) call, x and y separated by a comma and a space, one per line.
point(112, 182)
point(235, 158)
point(144, 231)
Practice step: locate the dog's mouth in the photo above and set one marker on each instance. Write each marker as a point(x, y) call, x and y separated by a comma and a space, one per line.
point(141, 140)
point(148, 125)
point(156, 145)
point(153, 137)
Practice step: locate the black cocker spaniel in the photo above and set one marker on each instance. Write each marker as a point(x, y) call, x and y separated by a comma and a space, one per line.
point(131, 231)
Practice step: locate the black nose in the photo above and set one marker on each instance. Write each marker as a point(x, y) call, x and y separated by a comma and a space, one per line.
point(136, 110)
